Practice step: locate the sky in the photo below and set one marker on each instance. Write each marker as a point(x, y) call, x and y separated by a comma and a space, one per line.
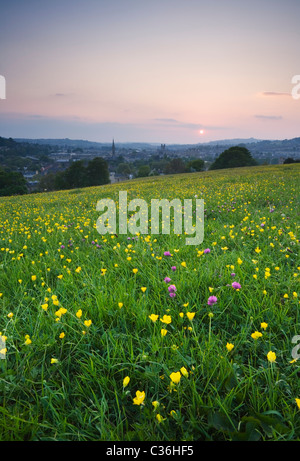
point(158, 71)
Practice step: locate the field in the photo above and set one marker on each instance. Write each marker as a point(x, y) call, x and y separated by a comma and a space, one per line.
point(142, 337)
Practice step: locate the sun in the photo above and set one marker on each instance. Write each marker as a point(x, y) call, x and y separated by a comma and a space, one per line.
point(201, 131)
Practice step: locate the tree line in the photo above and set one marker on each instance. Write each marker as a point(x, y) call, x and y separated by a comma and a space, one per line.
point(77, 175)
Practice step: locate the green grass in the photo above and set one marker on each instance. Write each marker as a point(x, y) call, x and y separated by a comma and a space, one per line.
point(252, 215)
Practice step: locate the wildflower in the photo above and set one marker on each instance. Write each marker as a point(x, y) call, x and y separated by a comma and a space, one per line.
point(126, 381)
point(163, 332)
point(173, 413)
point(183, 264)
point(27, 340)
point(139, 399)
point(298, 403)
point(79, 313)
point(60, 277)
point(78, 269)
point(236, 286)
point(167, 253)
point(264, 325)
point(155, 403)
point(143, 289)
point(166, 319)
point(134, 271)
point(175, 377)
point(33, 278)
point(120, 305)
point(181, 314)
point(212, 300)
point(159, 418)
point(184, 372)
point(87, 323)
point(167, 280)
point(173, 268)
point(256, 335)
point(10, 315)
point(229, 346)
point(207, 250)
point(271, 356)
point(53, 360)
point(153, 317)
point(239, 261)
point(190, 315)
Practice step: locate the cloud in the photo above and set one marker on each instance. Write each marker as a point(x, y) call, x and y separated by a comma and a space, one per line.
point(275, 93)
point(269, 117)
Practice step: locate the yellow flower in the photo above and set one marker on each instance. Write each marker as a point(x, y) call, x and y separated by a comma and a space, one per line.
point(298, 403)
point(139, 398)
point(153, 317)
point(33, 278)
point(190, 315)
point(27, 340)
point(239, 261)
point(184, 372)
point(166, 319)
point(256, 335)
point(79, 313)
point(134, 271)
point(159, 418)
point(126, 381)
point(163, 332)
point(54, 360)
point(60, 276)
point(10, 315)
point(62, 335)
point(175, 377)
point(87, 323)
point(264, 325)
point(78, 269)
point(181, 314)
point(229, 346)
point(155, 404)
point(183, 264)
point(257, 250)
point(120, 305)
point(271, 356)
point(143, 289)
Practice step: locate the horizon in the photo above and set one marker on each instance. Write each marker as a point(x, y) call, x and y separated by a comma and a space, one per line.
point(167, 72)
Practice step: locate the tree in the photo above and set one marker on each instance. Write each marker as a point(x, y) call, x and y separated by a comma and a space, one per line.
point(176, 165)
point(75, 175)
point(233, 157)
point(97, 172)
point(12, 183)
point(196, 165)
point(144, 170)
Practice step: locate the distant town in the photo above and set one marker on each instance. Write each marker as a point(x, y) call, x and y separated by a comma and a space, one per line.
point(36, 158)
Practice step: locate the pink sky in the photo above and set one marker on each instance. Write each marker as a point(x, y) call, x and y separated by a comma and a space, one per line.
point(156, 71)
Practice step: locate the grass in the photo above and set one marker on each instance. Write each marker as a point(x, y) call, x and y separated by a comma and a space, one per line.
point(62, 376)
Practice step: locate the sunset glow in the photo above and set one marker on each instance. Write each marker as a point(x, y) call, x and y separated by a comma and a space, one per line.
point(150, 71)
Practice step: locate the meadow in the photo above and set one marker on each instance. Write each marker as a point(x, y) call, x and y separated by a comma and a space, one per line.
point(142, 337)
